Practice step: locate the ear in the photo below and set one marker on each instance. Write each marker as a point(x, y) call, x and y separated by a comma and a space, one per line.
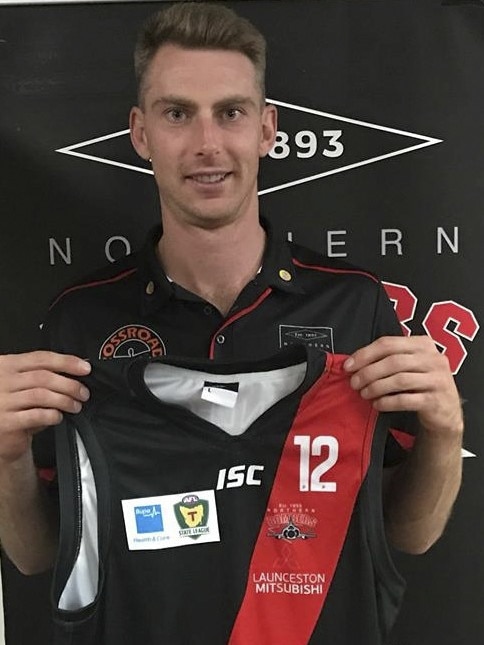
point(137, 133)
point(268, 130)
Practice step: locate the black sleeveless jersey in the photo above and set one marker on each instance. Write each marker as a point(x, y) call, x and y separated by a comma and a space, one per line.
point(209, 503)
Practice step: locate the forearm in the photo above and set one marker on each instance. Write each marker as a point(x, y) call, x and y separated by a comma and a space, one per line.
point(420, 493)
point(28, 519)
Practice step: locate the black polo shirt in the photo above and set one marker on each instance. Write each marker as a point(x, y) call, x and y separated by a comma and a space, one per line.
point(299, 296)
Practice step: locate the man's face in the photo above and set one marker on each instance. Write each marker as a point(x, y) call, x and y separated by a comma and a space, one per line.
point(204, 125)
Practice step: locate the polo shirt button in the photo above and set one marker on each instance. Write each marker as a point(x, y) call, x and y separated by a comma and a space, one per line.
point(285, 275)
point(220, 339)
point(150, 288)
point(207, 310)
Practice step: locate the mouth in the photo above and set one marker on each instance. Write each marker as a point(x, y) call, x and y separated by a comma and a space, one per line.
point(208, 179)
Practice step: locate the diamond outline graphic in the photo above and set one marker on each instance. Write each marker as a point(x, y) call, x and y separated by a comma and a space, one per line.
point(425, 141)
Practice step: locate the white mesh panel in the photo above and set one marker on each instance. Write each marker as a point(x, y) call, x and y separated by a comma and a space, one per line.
point(81, 587)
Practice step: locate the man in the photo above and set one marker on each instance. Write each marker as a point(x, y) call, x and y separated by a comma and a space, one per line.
point(218, 284)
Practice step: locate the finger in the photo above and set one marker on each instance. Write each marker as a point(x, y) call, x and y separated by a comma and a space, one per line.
point(38, 398)
point(37, 419)
point(390, 366)
point(401, 383)
point(45, 380)
point(424, 403)
point(387, 346)
point(401, 402)
point(45, 360)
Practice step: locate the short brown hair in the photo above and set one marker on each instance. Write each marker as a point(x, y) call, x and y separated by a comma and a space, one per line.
point(199, 25)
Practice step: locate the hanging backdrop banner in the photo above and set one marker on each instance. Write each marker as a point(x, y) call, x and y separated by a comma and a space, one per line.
point(378, 160)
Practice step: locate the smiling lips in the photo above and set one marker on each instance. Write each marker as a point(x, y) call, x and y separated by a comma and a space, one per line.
point(209, 178)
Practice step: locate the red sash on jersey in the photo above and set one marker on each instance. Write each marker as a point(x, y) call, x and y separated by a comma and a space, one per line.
point(300, 541)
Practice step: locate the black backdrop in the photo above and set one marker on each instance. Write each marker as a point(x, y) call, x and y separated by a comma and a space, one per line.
point(380, 160)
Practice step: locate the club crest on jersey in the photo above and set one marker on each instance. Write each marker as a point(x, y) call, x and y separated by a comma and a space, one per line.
point(318, 337)
point(130, 341)
point(192, 516)
point(291, 522)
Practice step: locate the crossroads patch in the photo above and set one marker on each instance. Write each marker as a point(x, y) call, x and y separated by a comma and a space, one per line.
point(130, 341)
point(318, 337)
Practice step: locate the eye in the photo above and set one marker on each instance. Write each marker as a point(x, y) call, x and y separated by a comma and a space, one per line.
point(232, 113)
point(176, 115)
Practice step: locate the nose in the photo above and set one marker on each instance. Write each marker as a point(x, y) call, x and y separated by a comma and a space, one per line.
point(207, 137)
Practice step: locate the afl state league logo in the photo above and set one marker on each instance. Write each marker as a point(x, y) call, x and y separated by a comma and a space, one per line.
point(131, 341)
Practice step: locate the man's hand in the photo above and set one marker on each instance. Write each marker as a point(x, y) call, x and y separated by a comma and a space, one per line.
point(35, 389)
point(408, 373)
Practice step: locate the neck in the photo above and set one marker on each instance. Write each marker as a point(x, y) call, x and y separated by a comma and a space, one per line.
point(215, 264)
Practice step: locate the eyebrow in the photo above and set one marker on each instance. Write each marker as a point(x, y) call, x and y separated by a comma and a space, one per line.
point(173, 99)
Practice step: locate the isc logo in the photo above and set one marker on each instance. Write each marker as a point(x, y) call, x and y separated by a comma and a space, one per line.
point(238, 476)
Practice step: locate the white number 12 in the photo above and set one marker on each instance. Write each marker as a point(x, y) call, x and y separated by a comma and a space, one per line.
point(311, 479)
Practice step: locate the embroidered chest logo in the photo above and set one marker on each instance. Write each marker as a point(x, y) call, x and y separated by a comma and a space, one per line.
point(131, 341)
point(290, 532)
point(291, 522)
point(318, 337)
